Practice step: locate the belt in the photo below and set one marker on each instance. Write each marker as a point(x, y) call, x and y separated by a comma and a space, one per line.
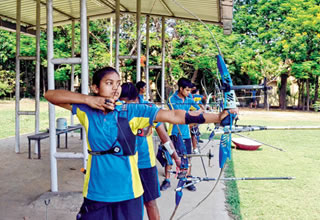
point(113, 150)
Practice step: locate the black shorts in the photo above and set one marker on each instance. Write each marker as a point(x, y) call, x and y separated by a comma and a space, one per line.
point(125, 210)
point(150, 183)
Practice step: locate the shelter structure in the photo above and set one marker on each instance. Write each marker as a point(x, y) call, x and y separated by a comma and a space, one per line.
point(30, 16)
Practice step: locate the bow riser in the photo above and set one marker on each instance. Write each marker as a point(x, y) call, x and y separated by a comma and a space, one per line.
point(228, 94)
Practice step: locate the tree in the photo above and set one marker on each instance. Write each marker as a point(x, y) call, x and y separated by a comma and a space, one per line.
point(286, 29)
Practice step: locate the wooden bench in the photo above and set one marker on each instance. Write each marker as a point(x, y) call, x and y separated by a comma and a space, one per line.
point(43, 135)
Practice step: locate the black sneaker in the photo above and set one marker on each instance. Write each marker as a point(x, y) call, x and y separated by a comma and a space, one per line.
point(165, 185)
point(200, 141)
point(191, 187)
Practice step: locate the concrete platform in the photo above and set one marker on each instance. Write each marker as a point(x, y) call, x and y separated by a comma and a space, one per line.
point(25, 186)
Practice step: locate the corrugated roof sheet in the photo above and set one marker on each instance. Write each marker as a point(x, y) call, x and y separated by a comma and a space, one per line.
point(213, 11)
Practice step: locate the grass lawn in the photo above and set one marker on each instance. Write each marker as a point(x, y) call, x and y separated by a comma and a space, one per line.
point(277, 199)
point(27, 122)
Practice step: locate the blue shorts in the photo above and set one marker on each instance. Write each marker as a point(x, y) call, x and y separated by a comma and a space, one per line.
point(150, 183)
point(124, 210)
point(187, 142)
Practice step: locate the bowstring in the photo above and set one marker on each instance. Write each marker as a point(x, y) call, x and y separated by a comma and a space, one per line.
point(125, 139)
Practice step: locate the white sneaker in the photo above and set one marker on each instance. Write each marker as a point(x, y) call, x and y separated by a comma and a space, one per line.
point(196, 151)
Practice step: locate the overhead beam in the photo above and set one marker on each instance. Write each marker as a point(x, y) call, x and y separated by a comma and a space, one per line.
point(167, 7)
point(177, 17)
point(121, 5)
point(108, 4)
point(59, 11)
point(9, 26)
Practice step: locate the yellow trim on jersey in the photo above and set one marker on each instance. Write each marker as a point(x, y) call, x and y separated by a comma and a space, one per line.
point(192, 108)
point(136, 182)
point(82, 116)
point(137, 123)
point(170, 125)
point(151, 151)
point(197, 99)
point(170, 129)
point(87, 177)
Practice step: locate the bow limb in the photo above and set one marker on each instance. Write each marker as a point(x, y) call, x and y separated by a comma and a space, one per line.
point(179, 194)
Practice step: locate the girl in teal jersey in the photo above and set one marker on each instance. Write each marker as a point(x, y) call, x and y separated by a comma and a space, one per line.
point(112, 187)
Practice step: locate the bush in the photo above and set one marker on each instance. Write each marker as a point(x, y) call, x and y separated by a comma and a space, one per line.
point(316, 106)
point(7, 83)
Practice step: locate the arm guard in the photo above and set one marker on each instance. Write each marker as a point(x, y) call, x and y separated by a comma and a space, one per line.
point(194, 119)
point(168, 147)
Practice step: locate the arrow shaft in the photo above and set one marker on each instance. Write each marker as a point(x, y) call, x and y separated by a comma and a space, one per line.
point(249, 178)
point(256, 128)
point(239, 129)
point(280, 149)
point(247, 87)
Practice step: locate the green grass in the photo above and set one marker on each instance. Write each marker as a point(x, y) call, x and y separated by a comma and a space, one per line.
point(277, 199)
point(232, 194)
point(27, 123)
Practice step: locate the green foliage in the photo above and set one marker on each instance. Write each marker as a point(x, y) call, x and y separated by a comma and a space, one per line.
point(270, 38)
point(283, 33)
point(316, 106)
point(7, 82)
point(7, 50)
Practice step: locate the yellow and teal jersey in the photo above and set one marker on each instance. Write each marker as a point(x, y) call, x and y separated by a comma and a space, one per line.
point(197, 99)
point(146, 155)
point(175, 102)
point(110, 177)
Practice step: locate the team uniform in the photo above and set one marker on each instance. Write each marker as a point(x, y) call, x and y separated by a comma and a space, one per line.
point(117, 168)
point(198, 98)
point(141, 99)
point(147, 162)
point(175, 102)
point(195, 128)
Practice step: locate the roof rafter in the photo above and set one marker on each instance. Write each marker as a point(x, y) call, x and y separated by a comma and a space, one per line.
point(59, 11)
point(121, 5)
point(167, 7)
point(108, 4)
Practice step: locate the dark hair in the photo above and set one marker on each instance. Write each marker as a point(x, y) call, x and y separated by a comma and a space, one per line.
point(183, 83)
point(99, 74)
point(194, 91)
point(140, 85)
point(129, 91)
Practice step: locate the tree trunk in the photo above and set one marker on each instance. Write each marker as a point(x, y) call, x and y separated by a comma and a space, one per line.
point(43, 80)
point(299, 94)
point(303, 98)
point(308, 94)
point(194, 76)
point(265, 92)
point(283, 91)
point(316, 90)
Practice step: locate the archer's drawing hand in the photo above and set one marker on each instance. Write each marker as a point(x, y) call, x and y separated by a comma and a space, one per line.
point(109, 104)
point(100, 103)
